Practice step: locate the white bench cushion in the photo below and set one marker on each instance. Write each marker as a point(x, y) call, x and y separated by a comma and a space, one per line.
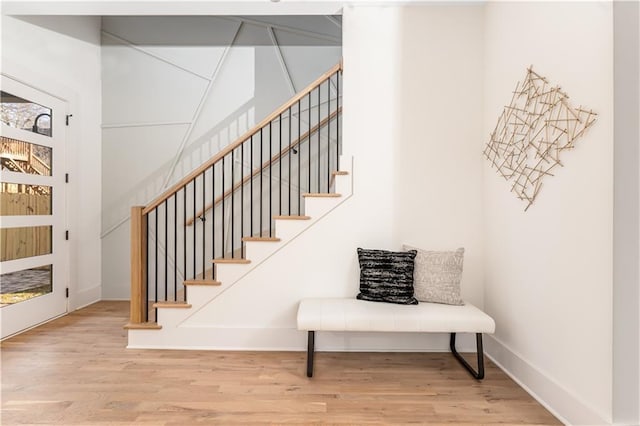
point(339, 314)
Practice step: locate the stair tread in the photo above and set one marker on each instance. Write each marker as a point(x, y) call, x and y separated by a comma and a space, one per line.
point(142, 326)
point(172, 304)
point(292, 217)
point(322, 195)
point(231, 260)
point(340, 173)
point(202, 282)
point(261, 239)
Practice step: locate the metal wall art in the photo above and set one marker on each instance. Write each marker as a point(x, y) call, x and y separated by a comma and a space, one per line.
point(531, 133)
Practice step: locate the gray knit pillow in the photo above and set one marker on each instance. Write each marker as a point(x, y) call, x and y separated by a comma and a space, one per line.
point(386, 276)
point(437, 276)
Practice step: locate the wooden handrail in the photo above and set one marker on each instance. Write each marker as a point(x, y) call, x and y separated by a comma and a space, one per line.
point(276, 157)
point(229, 148)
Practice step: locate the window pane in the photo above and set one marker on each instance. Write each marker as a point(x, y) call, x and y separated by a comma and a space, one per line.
point(18, 243)
point(26, 115)
point(17, 199)
point(25, 157)
point(23, 285)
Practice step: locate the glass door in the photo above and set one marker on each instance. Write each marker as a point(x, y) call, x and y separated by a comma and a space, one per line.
point(33, 269)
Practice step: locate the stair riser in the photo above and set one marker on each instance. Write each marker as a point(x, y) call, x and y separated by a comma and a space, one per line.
point(287, 229)
point(228, 274)
point(197, 296)
point(318, 207)
point(258, 251)
point(343, 184)
point(170, 317)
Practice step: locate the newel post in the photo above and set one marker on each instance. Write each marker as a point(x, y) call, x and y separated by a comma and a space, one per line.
point(138, 265)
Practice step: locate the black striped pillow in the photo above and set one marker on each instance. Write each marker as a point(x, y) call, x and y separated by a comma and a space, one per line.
point(387, 276)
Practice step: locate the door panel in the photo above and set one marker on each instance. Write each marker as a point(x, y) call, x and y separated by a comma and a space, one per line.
point(33, 268)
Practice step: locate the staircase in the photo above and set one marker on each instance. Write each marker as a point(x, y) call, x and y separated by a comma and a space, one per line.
point(230, 215)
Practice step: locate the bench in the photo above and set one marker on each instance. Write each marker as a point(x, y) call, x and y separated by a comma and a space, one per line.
point(340, 314)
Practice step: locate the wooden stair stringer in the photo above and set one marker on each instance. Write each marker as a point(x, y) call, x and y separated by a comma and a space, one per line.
point(229, 275)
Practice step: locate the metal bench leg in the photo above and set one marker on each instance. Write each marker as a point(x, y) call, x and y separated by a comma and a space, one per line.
point(310, 350)
point(479, 375)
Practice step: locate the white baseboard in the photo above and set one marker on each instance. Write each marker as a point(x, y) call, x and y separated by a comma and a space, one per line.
point(85, 298)
point(562, 403)
point(290, 339)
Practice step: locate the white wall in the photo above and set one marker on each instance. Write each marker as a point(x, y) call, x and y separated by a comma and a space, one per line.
point(62, 55)
point(196, 83)
point(436, 186)
point(549, 271)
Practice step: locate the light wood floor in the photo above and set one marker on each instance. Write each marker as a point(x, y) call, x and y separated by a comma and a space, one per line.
point(76, 371)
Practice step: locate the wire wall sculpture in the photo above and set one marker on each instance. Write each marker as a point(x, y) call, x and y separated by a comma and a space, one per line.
point(531, 133)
